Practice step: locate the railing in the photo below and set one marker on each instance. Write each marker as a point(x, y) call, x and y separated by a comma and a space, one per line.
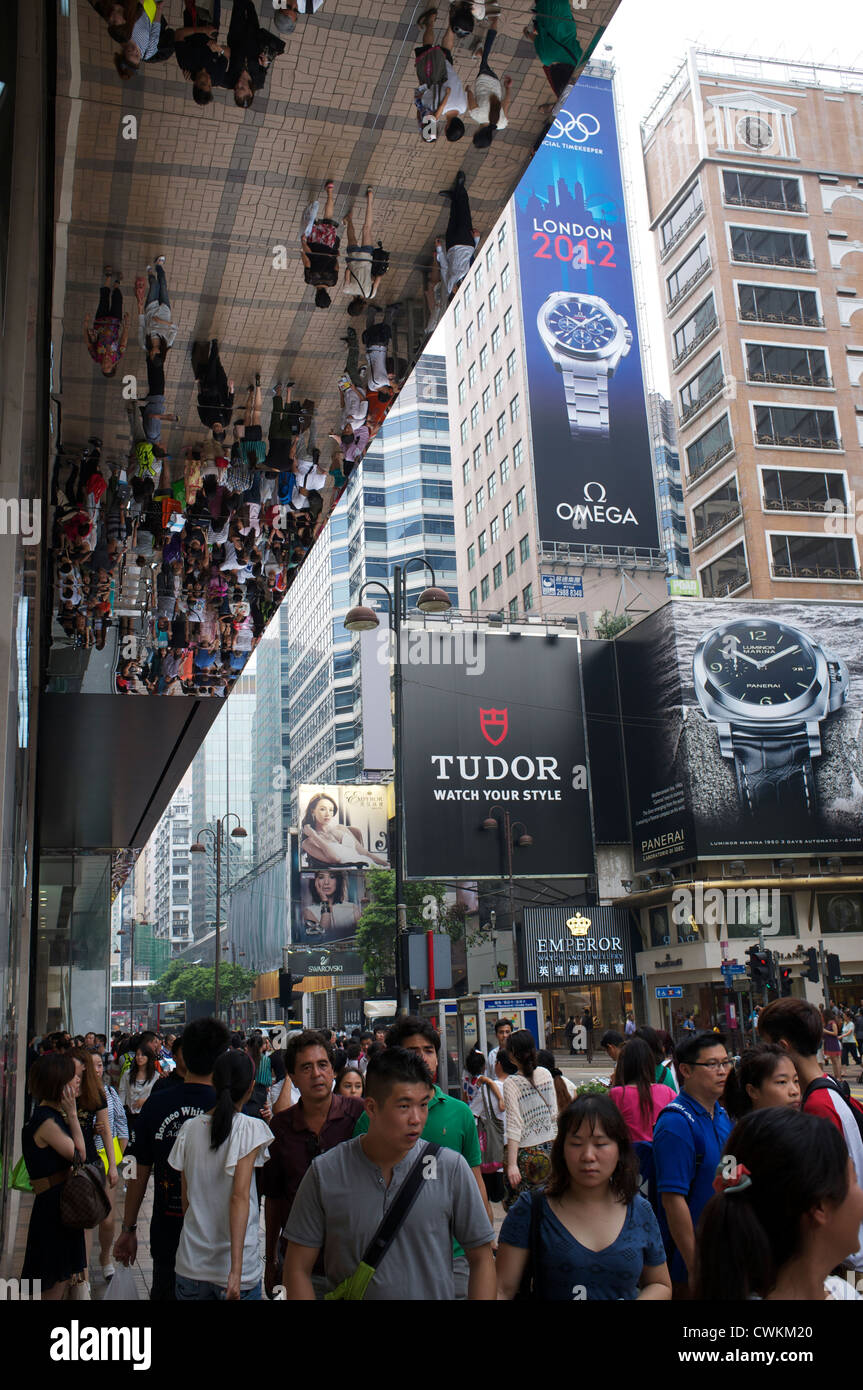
point(684, 289)
point(807, 504)
point(696, 343)
point(723, 590)
point(797, 441)
point(792, 320)
point(753, 200)
point(682, 230)
point(696, 405)
point(761, 258)
point(722, 452)
point(605, 556)
point(699, 537)
point(815, 572)
point(788, 379)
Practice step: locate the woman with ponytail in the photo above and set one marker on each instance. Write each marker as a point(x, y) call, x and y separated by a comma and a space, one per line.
point(219, 1252)
point(765, 1075)
point(531, 1116)
point(787, 1211)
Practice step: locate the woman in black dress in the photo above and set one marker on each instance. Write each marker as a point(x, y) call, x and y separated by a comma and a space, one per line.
point(50, 1140)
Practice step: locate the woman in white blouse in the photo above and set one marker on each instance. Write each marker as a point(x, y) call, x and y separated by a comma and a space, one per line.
point(531, 1115)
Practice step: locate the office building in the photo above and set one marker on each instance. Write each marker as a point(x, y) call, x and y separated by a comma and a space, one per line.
point(756, 202)
point(669, 487)
point(222, 772)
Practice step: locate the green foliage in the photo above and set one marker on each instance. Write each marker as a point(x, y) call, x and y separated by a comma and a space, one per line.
point(376, 930)
point(592, 1088)
point(198, 982)
point(610, 624)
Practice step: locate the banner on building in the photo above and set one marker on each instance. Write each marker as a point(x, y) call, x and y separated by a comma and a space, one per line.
point(591, 442)
point(742, 729)
point(328, 905)
point(323, 961)
point(564, 945)
point(343, 825)
point(501, 738)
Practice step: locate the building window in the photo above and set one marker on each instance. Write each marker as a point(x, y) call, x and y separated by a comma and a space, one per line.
point(505, 278)
point(748, 190)
point(524, 549)
point(840, 912)
point(501, 424)
point(686, 212)
point(486, 399)
point(716, 511)
point(516, 454)
point(715, 444)
point(494, 530)
point(483, 588)
point(514, 408)
point(787, 366)
point(483, 357)
point(482, 544)
point(480, 500)
point(802, 490)
point(471, 555)
point(794, 427)
point(510, 363)
point(479, 277)
point(520, 500)
point(527, 597)
point(456, 316)
point(771, 246)
point(498, 381)
point(462, 391)
point(474, 416)
point(468, 336)
point(507, 320)
point(510, 562)
point(513, 610)
point(463, 431)
point(748, 920)
point(477, 456)
point(491, 484)
point(495, 338)
point(492, 299)
point(776, 304)
point(701, 388)
point(490, 257)
point(472, 601)
point(467, 296)
point(504, 468)
point(690, 270)
point(489, 441)
point(507, 515)
point(465, 472)
point(497, 576)
point(695, 329)
point(813, 557)
point(501, 236)
point(725, 574)
point(468, 513)
point(459, 352)
point(471, 375)
point(480, 318)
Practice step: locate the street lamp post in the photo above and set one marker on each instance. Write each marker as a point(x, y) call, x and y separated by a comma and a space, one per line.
point(198, 847)
point(130, 932)
point(498, 818)
point(364, 619)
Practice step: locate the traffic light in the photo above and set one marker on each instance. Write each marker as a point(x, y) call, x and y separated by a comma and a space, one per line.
point(760, 964)
point(286, 988)
point(811, 972)
point(834, 968)
point(772, 980)
point(784, 981)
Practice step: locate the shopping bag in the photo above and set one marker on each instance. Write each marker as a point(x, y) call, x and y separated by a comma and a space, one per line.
point(20, 1179)
point(123, 1288)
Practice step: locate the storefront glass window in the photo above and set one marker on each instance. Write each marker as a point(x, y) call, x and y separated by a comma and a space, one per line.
point(840, 912)
point(757, 908)
point(659, 927)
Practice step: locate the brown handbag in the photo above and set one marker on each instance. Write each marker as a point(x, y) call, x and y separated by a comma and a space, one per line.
point(84, 1201)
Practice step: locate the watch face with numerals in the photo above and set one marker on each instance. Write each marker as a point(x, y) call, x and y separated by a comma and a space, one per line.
point(580, 325)
point(759, 664)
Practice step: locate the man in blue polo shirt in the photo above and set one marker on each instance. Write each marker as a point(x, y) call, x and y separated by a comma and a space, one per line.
point(688, 1140)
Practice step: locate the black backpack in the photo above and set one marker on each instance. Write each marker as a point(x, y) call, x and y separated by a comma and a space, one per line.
point(827, 1083)
point(380, 261)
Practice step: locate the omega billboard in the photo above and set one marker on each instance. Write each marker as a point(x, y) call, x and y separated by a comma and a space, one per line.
point(591, 442)
point(742, 729)
point(503, 737)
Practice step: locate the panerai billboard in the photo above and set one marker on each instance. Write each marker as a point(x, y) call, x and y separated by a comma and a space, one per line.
point(588, 417)
point(743, 729)
point(576, 945)
point(495, 763)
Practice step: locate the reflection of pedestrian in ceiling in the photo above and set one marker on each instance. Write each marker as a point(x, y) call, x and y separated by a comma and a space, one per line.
point(331, 908)
point(250, 49)
point(555, 38)
point(325, 842)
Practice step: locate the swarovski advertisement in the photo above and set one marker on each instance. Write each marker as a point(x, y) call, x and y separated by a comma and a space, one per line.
point(495, 776)
point(743, 729)
point(328, 906)
point(591, 444)
point(576, 945)
point(343, 824)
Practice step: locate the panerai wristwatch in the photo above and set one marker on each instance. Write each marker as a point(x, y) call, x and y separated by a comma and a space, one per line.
point(767, 688)
point(585, 339)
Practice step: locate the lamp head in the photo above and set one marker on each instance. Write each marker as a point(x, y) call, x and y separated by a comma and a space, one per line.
point(361, 619)
point(434, 600)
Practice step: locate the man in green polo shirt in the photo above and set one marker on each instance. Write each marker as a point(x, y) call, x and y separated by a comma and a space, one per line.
point(450, 1122)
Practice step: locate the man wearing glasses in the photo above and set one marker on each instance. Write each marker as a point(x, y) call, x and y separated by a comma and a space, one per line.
point(688, 1140)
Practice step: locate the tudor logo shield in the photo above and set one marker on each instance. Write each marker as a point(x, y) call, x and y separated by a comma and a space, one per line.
point(494, 724)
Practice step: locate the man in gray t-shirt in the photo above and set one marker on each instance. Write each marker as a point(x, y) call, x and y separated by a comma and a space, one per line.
point(346, 1193)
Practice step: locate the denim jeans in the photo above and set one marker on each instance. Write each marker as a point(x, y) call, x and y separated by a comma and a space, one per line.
point(199, 1291)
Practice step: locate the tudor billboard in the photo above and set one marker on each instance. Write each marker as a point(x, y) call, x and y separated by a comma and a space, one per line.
point(504, 735)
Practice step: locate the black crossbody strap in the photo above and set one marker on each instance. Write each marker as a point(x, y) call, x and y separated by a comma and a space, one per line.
point(389, 1227)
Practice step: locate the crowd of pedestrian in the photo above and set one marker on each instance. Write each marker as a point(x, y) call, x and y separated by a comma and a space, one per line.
point(738, 1181)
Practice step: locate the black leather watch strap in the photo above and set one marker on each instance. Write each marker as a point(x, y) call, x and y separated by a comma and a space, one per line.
point(774, 769)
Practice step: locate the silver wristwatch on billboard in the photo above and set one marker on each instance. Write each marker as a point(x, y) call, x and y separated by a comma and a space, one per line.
point(586, 340)
point(767, 687)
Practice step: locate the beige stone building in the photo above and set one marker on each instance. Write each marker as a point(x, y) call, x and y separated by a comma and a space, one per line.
point(754, 173)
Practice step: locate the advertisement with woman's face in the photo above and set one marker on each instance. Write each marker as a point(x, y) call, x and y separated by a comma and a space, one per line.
point(343, 825)
point(329, 906)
